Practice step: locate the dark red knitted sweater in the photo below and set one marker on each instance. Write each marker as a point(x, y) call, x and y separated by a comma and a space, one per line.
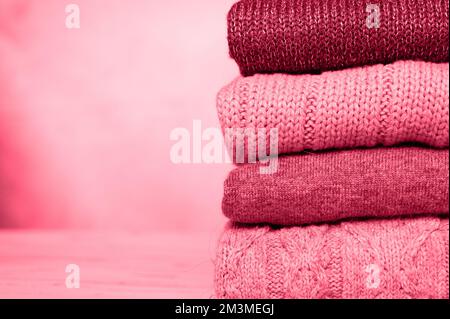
point(301, 36)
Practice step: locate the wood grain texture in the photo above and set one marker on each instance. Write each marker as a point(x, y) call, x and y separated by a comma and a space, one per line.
point(112, 265)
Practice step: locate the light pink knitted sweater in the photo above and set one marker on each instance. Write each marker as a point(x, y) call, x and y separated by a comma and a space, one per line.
point(404, 101)
point(398, 258)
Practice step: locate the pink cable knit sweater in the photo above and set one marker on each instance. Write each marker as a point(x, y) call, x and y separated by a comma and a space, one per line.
point(405, 101)
point(331, 186)
point(398, 258)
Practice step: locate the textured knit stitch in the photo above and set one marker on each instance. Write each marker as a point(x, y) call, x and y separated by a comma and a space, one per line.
point(398, 258)
point(331, 186)
point(300, 36)
point(360, 107)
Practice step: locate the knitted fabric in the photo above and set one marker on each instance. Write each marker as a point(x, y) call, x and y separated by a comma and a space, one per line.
point(398, 258)
point(300, 36)
point(376, 105)
point(330, 186)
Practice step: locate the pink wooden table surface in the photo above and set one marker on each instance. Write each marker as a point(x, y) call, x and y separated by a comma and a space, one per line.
point(112, 265)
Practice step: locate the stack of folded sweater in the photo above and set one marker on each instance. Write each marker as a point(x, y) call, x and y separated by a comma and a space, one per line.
point(358, 93)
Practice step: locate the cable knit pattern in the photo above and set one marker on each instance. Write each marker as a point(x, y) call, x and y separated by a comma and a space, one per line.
point(302, 36)
point(361, 107)
point(398, 258)
point(331, 186)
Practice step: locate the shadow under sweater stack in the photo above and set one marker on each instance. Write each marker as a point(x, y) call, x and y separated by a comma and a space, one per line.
point(358, 206)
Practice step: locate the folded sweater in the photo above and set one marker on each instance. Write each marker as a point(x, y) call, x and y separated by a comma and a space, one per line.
point(401, 102)
point(331, 186)
point(300, 36)
point(398, 258)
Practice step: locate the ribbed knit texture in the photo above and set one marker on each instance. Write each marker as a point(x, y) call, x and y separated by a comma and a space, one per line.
point(376, 105)
point(371, 259)
point(330, 186)
point(300, 36)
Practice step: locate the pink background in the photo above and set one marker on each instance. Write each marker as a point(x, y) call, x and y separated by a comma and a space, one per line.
point(85, 114)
